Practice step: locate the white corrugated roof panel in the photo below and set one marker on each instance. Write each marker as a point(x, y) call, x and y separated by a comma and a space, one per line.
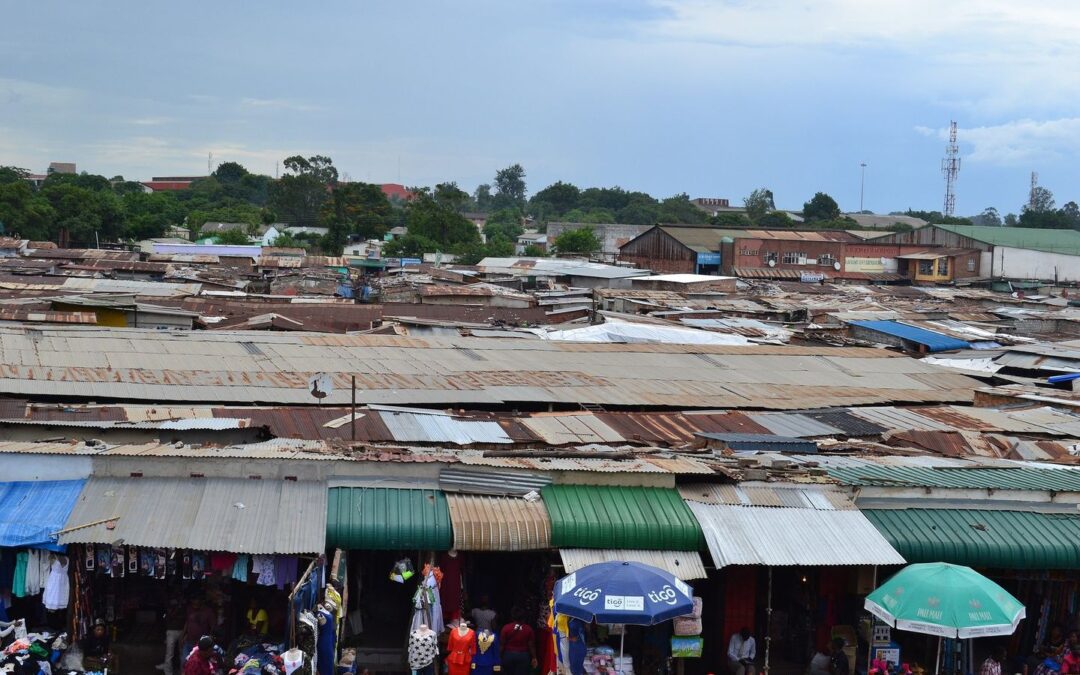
point(498, 523)
point(794, 425)
point(202, 514)
point(752, 535)
point(685, 565)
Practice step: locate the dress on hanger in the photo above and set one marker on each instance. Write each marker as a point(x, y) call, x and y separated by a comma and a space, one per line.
point(327, 661)
point(57, 587)
point(486, 659)
point(293, 661)
point(460, 648)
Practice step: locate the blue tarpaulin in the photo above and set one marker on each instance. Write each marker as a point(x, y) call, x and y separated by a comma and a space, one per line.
point(31, 511)
point(935, 342)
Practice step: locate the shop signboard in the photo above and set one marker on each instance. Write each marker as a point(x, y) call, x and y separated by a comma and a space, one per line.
point(687, 647)
point(811, 277)
point(708, 258)
point(889, 653)
point(867, 265)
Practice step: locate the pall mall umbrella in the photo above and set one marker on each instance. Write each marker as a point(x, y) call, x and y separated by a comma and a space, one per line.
point(623, 592)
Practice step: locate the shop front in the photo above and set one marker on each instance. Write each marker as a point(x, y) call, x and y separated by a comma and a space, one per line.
point(34, 588)
point(792, 565)
point(1033, 555)
point(160, 562)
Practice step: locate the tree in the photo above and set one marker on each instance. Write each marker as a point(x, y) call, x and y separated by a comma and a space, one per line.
point(24, 213)
point(1071, 211)
point(510, 187)
point(775, 219)
point(233, 238)
point(534, 251)
point(410, 246)
point(88, 216)
point(426, 218)
point(821, 207)
point(356, 208)
point(989, 217)
point(1011, 220)
point(1041, 200)
point(504, 223)
point(482, 198)
point(759, 203)
point(229, 172)
point(286, 240)
point(12, 174)
point(679, 209)
point(899, 227)
point(729, 219)
point(1055, 219)
point(300, 194)
point(582, 241)
point(556, 199)
point(450, 196)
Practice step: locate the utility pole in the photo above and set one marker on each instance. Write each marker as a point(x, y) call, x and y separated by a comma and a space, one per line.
point(862, 184)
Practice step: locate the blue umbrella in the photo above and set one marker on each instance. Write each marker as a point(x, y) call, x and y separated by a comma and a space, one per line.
point(623, 592)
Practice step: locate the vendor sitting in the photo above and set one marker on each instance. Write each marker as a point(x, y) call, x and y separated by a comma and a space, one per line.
point(97, 655)
point(257, 619)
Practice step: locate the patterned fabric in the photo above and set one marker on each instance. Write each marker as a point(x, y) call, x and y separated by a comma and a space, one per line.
point(990, 667)
point(423, 648)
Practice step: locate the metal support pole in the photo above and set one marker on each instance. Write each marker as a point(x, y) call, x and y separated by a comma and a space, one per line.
point(768, 626)
point(354, 408)
point(873, 620)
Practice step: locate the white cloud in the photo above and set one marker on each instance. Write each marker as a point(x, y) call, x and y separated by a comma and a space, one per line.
point(1023, 142)
point(151, 121)
point(278, 104)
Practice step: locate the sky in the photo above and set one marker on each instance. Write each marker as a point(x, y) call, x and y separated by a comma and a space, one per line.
point(711, 98)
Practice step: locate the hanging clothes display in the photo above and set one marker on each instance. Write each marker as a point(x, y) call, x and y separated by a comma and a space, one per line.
point(263, 565)
point(307, 635)
point(293, 661)
point(423, 650)
point(34, 580)
point(460, 647)
point(57, 588)
point(486, 659)
point(240, 567)
point(450, 593)
point(18, 583)
point(327, 638)
point(427, 606)
point(285, 567)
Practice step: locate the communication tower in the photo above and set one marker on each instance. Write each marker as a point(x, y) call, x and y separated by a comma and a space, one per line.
point(950, 167)
point(1031, 192)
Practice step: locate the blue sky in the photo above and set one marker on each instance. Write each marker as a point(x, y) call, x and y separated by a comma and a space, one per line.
point(666, 96)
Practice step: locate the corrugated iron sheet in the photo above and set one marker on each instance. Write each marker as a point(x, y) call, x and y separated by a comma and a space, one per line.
point(847, 423)
point(498, 523)
point(824, 498)
point(794, 424)
point(673, 465)
point(749, 535)
point(571, 429)
point(420, 427)
point(685, 565)
point(899, 418)
point(999, 539)
point(586, 516)
point(388, 519)
point(491, 482)
point(974, 476)
point(203, 514)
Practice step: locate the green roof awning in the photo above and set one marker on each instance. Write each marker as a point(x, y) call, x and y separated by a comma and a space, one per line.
point(588, 516)
point(1008, 539)
point(387, 519)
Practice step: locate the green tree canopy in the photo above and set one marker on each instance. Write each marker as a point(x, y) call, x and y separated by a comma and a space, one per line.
point(299, 195)
point(233, 238)
point(821, 207)
point(510, 187)
point(505, 223)
point(410, 246)
point(758, 203)
point(446, 227)
point(582, 241)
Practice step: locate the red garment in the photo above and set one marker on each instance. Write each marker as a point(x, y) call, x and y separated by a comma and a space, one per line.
point(546, 653)
point(450, 589)
point(222, 563)
point(516, 637)
point(460, 649)
point(197, 665)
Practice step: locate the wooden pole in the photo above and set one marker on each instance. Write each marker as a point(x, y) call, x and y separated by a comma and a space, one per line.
point(354, 408)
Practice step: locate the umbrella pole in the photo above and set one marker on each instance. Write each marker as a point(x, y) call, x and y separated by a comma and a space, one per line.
point(937, 663)
point(768, 626)
point(622, 643)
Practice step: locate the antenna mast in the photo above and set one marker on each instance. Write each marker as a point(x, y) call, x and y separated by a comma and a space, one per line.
point(1031, 193)
point(950, 167)
point(209, 162)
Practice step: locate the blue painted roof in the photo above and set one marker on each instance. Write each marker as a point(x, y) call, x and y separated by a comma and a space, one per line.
point(738, 441)
point(31, 511)
point(935, 342)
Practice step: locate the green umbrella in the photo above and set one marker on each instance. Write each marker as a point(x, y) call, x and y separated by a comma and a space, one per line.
point(945, 600)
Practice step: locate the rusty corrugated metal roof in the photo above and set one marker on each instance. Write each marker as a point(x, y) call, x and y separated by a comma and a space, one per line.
point(498, 523)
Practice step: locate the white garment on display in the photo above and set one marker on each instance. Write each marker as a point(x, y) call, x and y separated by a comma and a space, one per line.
point(427, 605)
point(44, 563)
point(263, 565)
point(57, 589)
point(292, 660)
point(33, 578)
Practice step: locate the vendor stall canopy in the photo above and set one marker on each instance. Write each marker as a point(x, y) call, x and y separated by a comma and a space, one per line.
point(388, 519)
point(983, 538)
point(31, 512)
point(205, 514)
point(587, 516)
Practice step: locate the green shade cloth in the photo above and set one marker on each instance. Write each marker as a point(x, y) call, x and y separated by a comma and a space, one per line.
point(587, 516)
point(387, 519)
point(1006, 539)
point(945, 600)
